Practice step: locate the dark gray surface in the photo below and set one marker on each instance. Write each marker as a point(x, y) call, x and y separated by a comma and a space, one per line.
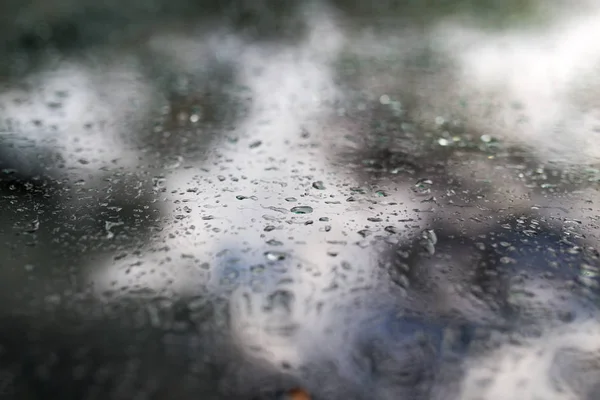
point(390, 200)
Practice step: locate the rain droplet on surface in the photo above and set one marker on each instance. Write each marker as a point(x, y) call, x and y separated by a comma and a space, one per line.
point(507, 260)
point(302, 210)
point(35, 225)
point(423, 187)
point(275, 255)
point(318, 185)
point(364, 233)
point(486, 138)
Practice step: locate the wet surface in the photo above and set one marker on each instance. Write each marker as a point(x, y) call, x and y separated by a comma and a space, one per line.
point(236, 200)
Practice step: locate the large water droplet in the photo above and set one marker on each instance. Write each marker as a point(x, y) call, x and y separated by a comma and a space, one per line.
point(302, 210)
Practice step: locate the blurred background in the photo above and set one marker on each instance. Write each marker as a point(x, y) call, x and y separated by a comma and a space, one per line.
point(230, 199)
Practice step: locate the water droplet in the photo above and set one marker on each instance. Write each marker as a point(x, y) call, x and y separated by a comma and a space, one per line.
point(241, 197)
point(384, 99)
point(364, 233)
point(274, 242)
point(318, 185)
point(291, 199)
point(255, 144)
point(275, 255)
point(423, 187)
point(302, 210)
point(269, 228)
point(574, 250)
point(443, 142)
point(35, 225)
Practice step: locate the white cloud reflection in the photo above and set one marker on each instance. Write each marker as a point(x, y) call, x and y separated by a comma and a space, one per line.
point(542, 83)
point(83, 113)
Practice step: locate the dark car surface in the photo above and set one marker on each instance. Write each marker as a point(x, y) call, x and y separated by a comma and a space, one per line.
point(324, 199)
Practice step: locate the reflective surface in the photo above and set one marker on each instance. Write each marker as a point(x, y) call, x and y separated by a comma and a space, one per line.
point(232, 200)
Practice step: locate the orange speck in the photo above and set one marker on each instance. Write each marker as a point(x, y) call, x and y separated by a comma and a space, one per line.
point(298, 394)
